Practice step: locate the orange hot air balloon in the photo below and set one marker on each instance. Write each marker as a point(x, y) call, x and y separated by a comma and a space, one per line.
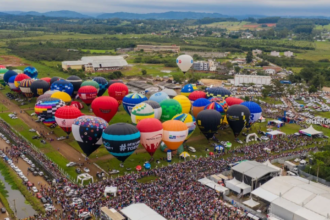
point(174, 133)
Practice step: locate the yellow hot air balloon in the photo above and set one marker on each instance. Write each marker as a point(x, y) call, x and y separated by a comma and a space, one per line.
point(174, 133)
point(65, 97)
point(184, 102)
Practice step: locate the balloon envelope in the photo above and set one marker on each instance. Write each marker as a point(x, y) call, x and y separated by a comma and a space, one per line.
point(159, 97)
point(170, 92)
point(151, 131)
point(255, 111)
point(238, 117)
point(184, 102)
point(54, 79)
point(131, 100)
point(65, 97)
point(76, 82)
point(39, 87)
point(215, 106)
point(25, 87)
point(184, 62)
point(87, 94)
point(118, 91)
point(187, 89)
point(9, 74)
point(87, 131)
point(47, 79)
point(12, 85)
point(105, 107)
point(103, 85)
point(46, 108)
point(199, 106)
point(31, 72)
point(121, 140)
point(63, 86)
point(197, 95)
point(174, 133)
point(19, 78)
point(189, 120)
point(65, 116)
point(233, 101)
point(141, 111)
point(91, 83)
point(156, 107)
point(208, 122)
point(218, 92)
point(170, 108)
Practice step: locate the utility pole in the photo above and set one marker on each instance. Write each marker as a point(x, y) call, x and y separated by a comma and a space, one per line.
point(318, 168)
point(15, 205)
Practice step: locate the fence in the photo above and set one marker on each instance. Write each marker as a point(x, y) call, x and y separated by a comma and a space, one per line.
point(283, 159)
point(312, 177)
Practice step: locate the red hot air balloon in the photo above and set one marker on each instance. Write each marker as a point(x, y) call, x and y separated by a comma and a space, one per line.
point(65, 116)
point(118, 91)
point(87, 94)
point(47, 79)
point(197, 95)
point(105, 107)
point(151, 130)
point(233, 101)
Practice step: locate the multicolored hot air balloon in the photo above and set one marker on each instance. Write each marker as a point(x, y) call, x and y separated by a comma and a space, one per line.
point(208, 122)
point(233, 101)
point(2, 67)
point(121, 140)
point(184, 102)
point(131, 100)
point(25, 87)
point(46, 108)
point(63, 86)
point(65, 116)
point(141, 111)
point(19, 78)
point(31, 72)
point(103, 85)
point(76, 82)
point(11, 84)
point(184, 62)
point(196, 95)
point(189, 120)
point(187, 89)
point(174, 133)
point(87, 131)
point(65, 97)
point(91, 83)
point(170, 108)
point(156, 107)
point(118, 91)
point(224, 105)
point(105, 107)
point(219, 92)
point(151, 131)
point(87, 94)
point(255, 111)
point(39, 87)
point(159, 97)
point(8, 75)
point(238, 117)
point(215, 106)
point(3, 71)
point(199, 106)
point(54, 79)
point(170, 92)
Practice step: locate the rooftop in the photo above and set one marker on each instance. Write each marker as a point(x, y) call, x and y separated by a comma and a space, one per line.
point(253, 169)
point(140, 211)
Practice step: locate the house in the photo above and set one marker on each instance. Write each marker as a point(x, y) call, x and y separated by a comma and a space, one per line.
point(288, 54)
point(157, 48)
point(239, 61)
point(256, 52)
point(257, 80)
point(276, 68)
point(275, 54)
point(270, 71)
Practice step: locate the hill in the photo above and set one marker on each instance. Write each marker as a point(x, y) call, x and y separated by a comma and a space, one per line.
point(59, 14)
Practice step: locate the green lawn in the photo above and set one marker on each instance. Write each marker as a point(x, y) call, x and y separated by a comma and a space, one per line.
point(270, 100)
point(321, 52)
point(99, 51)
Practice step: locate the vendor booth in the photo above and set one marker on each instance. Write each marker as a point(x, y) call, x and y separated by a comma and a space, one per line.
point(112, 190)
point(310, 131)
point(276, 123)
point(213, 185)
point(275, 134)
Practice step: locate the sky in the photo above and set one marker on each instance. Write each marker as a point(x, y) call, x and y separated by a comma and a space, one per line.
point(227, 7)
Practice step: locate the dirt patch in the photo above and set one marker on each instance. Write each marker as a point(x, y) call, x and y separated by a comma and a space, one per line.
point(214, 82)
point(326, 89)
point(251, 26)
point(8, 60)
point(271, 25)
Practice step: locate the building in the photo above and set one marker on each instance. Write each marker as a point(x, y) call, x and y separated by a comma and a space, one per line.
point(96, 63)
point(201, 66)
point(212, 65)
point(124, 50)
point(141, 87)
point(110, 214)
point(256, 52)
point(138, 211)
point(288, 54)
point(293, 197)
point(157, 48)
point(270, 71)
point(276, 68)
point(207, 54)
point(275, 54)
point(246, 79)
point(239, 61)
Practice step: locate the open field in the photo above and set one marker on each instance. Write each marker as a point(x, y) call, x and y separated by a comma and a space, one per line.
point(321, 51)
point(98, 51)
point(231, 25)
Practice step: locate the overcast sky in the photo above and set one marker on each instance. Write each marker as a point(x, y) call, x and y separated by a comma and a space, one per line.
point(229, 7)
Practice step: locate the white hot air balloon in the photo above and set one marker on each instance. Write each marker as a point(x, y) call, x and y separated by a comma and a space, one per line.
point(184, 62)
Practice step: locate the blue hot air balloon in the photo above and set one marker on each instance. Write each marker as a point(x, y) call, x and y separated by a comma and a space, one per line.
point(31, 72)
point(9, 74)
point(121, 140)
point(131, 100)
point(187, 89)
point(159, 97)
point(199, 106)
point(11, 83)
point(103, 83)
point(255, 111)
point(63, 86)
point(218, 92)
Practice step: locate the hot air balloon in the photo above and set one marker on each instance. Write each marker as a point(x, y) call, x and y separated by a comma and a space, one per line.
point(184, 62)
point(196, 95)
point(255, 111)
point(224, 105)
point(156, 107)
point(65, 97)
point(25, 87)
point(174, 133)
point(121, 140)
point(105, 107)
point(215, 106)
point(76, 82)
point(77, 105)
point(2, 67)
point(103, 85)
point(63, 86)
point(184, 102)
point(46, 108)
point(12, 85)
point(151, 131)
point(51, 92)
point(189, 120)
point(91, 83)
point(115, 81)
point(233, 101)
point(31, 72)
point(170, 108)
point(9, 74)
point(39, 87)
point(54, 79)
point(131, 100)
point(65, 116)
point(218, 92)
point(187, 89)
point(141, 111)
point(18, 71)
point(159, 97)
point(87, 131)
point(215, 99)
point(3, 71)
point(238, 117)
point(170, 92)
point(118, 91)
point(87, 94)
point(19, 78)
point(199, 106)
point(44, 96)
point(209, 122)
point(2, 82)
point(47, 79)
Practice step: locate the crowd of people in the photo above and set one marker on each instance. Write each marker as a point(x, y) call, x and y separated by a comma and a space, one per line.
point(175, 192)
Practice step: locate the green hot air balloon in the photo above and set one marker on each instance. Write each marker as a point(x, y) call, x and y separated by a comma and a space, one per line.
point(208, 122)
point(170, 108)
point(238, 117)
point(91, 83)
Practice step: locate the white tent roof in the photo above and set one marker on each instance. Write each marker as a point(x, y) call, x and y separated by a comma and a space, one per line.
point(213, 185)
point(277, 121)
point(275, 132)
point(140, 211)
point(264, 194)
point(310, 131)
point(237, 186)
point(251, 203)
point(269, 164)
point(253, 169)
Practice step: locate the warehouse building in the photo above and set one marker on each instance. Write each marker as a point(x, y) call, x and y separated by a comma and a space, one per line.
point(157, 48)
point(239, 80)
point(139, 211)
point(141, 87)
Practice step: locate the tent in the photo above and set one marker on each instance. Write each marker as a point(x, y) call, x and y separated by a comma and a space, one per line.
point(251, 203)
point(253, 135)
point(83, 177)
point(273, 134)
point(310, 131)
point(110, 190)
point(262, 119)
point(276, 123)
point(238, 186)
point(269, 164)
point(217, 187)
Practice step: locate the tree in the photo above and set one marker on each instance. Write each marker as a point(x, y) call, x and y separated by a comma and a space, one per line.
point(318, 81)
point(247, 98)
point(265, 92)
point(291, 90)
point(144, 72)
point(249, 57)
point(312, 89)
point(306, 74)
point(237, 69)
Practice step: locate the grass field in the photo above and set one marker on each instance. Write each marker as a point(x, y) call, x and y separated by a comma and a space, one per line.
point(99, 51)
point(321, 51)
point(229, 25)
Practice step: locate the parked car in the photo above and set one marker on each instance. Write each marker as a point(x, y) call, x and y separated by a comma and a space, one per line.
point(78, 170)
point(43, 200)
point(38, 195)
point(29, 184)
point(3, 210)
point(264, 138)
point(61, 138)
point(71, 164)
point(86, 169)
point(192, 149)
point(34, 189)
